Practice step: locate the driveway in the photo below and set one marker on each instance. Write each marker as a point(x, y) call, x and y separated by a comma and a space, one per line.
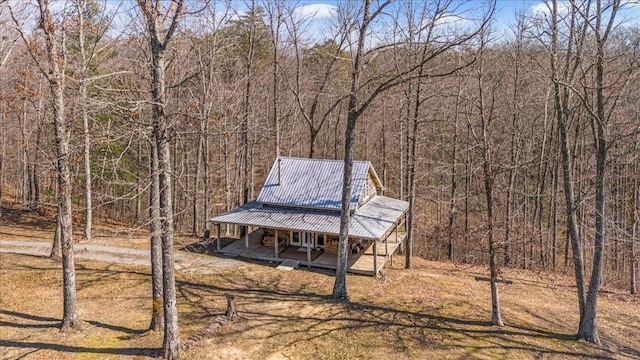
point(184, 261)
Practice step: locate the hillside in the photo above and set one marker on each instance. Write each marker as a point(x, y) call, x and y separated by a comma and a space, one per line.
point(434, 311)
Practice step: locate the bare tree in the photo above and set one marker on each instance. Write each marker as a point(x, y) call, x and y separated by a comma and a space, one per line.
point(161, 24)
point(633, 285)
point(423, 26)
point(54, 38)
point(355, 109)
point(276, 17)
point(583, 74)
point(602, 25)
point(486, 104)
point(562, 73)
point(88, 32)
point(364, 90)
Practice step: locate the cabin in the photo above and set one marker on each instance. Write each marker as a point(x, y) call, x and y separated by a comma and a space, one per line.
point(296, 217)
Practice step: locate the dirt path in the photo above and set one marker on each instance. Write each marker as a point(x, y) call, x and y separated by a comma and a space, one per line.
point(188, 262)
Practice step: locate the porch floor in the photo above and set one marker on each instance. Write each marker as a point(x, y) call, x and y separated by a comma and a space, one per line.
point(360, 263)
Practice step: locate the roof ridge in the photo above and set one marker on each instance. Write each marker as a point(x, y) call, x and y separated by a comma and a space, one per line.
point(325, 160)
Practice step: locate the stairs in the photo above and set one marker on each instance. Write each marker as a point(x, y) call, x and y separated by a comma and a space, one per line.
point(288, 265)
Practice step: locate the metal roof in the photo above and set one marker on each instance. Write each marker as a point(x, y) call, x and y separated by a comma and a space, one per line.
point(371, 221)
point(311, 183)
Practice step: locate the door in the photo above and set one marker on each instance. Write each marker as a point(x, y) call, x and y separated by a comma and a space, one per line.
point(307, 239)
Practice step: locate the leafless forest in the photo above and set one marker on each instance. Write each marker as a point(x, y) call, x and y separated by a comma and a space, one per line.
point(524, 134)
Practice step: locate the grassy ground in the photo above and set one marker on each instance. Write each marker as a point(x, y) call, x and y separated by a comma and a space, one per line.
point(435, 311)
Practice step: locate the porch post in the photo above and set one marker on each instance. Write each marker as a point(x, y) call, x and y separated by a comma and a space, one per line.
point(218, 237)
point(375, 258)
point(389, 256)
point(276, 244)
point(386, 246)
point(246, 238)
point(401, 250)
point(308, 255)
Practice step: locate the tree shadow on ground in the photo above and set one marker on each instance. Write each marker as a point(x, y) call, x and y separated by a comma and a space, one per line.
point(207, 246)
point(146, 352)
point(407, 328)
point(425, 329)
point(43, 322)
point(116, 328)
point(49, 322)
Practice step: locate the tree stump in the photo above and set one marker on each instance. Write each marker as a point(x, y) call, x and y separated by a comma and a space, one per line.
point(231, 308)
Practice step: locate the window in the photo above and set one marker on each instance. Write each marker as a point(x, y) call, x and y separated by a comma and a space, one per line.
point(295, 238)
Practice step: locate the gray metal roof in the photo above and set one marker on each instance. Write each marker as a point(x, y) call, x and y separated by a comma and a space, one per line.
point(378, 215)
point(311, 183)
point(371, 221)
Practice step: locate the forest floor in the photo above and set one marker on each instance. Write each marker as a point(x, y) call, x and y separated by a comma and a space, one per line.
point(436, 310)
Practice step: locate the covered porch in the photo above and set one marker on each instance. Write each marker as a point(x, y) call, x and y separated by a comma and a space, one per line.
point(363, 262)
point(310, 237)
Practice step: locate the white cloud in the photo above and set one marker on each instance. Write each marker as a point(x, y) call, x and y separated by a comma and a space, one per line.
point(316, 11)
point(542, 10)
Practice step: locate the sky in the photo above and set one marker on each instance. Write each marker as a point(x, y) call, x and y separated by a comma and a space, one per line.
point(504, 15)
point(320, 12)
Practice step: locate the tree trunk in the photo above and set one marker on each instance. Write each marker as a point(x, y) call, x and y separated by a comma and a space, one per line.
point(496, 318)
point(156, 242)
point(539, 201)
point(588, 327)
point(56, 247)
point(196, 180)
point(634, 234)
point(3, 151)
point(55, 76)
point(561, 100)
point(246, 122)
point(340, 285)
point(207, 191)
point(412, 195)
point(159, 39)
point(510, 190)
point(486, 114)
point(171, 340)
point(231, 313)
point(467, 192)
point(452, 196)
point(88, 212)
point(88, 221)
point(276, 20)
point(24, 188)
point(554, 215)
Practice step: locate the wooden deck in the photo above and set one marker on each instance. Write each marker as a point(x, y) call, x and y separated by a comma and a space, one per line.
point(361, 263)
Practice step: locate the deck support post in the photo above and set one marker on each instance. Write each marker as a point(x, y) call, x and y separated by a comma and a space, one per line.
point(276, 244)
point(390, 256)
point(386, 246)
point(218, 237)
point(401, 250)
point(308, 256)
point(246, 238)
point(375, 259)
